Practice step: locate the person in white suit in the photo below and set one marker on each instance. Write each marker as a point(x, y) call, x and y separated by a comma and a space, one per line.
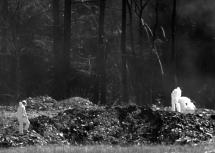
point(22, 117)
point(175, 95)
point(181, 104)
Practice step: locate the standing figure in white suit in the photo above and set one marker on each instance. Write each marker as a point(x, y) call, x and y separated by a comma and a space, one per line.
point(175, 95)
point(22, 117)
point(181, 104)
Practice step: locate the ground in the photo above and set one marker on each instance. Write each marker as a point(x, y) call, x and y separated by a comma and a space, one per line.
point(77, 122)
point(114, 149)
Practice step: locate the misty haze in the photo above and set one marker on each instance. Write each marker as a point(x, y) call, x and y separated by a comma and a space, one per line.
point(107, 71)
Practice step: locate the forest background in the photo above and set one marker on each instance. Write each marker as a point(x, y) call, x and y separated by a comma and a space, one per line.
point(110, 51)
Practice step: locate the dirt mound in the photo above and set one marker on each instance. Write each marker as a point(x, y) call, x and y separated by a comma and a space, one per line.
point(75, 102)
point(183, 129)
point(86, 123)
point(14, 139)
point(40, 103)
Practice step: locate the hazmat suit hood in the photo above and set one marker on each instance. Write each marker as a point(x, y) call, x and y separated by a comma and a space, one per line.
point(20, 104)
point(24, 102)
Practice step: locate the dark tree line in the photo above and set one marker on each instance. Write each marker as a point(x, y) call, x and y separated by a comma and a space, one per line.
point(108, 51)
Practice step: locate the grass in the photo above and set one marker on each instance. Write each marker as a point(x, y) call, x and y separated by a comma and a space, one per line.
point(112, 149)
point(202, 148)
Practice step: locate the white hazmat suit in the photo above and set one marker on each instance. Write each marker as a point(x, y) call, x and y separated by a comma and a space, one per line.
point(22, 117)
point(175, 95)
point(181, 104)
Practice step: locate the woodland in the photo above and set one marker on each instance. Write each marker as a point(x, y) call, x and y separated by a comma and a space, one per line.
point(108, 51)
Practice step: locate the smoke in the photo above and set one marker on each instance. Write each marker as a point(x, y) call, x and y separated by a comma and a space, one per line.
point(195, 49)
point(196, 34)
point(200, 11)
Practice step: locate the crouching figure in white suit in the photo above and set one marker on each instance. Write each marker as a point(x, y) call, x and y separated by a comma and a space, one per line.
point(181, 104)
point(22, 117)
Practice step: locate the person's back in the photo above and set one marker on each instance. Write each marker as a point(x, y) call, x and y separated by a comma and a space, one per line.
point(22, 117)
point(20, 110)
point(186, 105)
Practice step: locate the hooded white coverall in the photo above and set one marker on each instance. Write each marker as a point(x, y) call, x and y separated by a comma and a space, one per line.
point(22, 118)
point(181, 104)
point(186, 105)
point(175, 96)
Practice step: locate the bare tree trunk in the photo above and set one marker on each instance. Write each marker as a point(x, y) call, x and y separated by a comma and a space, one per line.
point(4, 21)
point(16, 57)
point(141, 92)
point(156, 23)
point(131, 26)
point(125, 96)
point(102, 55)
point(174, 54)
point(16, 68)
point(17, 62)
point(56, 49)
point(3, 49)
point(66, 52)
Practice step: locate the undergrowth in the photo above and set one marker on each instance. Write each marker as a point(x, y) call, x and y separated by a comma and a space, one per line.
point(113, 149)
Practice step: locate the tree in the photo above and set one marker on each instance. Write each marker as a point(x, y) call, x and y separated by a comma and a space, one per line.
point(138, 72)
point(4, 21)
point(131, 33)
point(66, 51)
point(140, 5)
point(124, 83)
point(156, 23)
point(174, 54)
point(4, 56)
point(56, 91)
point(101, 55)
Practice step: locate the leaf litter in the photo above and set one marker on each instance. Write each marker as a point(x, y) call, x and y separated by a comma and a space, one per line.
point(78, 121)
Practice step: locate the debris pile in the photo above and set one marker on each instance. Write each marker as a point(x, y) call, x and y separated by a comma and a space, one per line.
point(183, 129)
point(75, 102)
point(11, 138)
point(40, 103)
point(45, 127)
point(82, 122)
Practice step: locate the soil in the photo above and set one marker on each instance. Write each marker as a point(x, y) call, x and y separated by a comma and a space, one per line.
point(78, 121)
